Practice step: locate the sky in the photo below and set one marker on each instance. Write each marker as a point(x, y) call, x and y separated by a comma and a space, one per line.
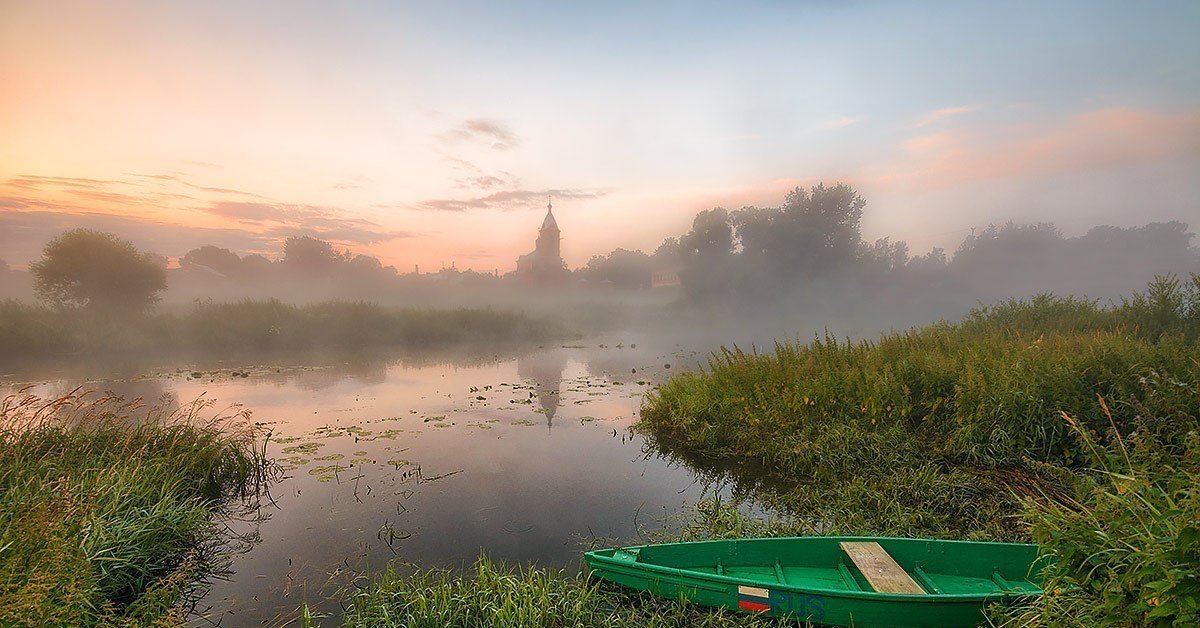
point(432, 134)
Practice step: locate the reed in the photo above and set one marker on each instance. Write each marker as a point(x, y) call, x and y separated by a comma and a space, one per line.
point(1128, 550)
point(494, 594)
point(939, 429)
point(107, 508)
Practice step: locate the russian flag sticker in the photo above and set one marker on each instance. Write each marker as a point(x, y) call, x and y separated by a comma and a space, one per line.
point(754, 599)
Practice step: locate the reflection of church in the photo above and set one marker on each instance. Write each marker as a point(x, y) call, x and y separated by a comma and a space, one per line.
point(544, 370)
point(545, 263)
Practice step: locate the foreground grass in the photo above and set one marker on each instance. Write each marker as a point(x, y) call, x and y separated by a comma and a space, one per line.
point(106, 512)
point(491, 594)
point(257, 326)
point(1129, 550)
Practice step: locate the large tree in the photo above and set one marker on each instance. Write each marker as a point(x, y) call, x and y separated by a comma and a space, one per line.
point(711, 237)
point(88, 268)
point(622, 267)
point(213, 259)
point(310, 255)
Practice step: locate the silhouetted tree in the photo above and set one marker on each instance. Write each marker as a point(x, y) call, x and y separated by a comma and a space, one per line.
point(933, 261)
point(364, 265)
point(256, 266)
point(707, 250)
point(885, 255)
point(668, 253)
point(711, 237)
point(822, 227)
point(309, 255)
point(213, 259)
point(622, 267)
point(95, 269)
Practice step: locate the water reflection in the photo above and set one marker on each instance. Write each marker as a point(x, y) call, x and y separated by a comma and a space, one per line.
point(431, 462)
point(543, 371)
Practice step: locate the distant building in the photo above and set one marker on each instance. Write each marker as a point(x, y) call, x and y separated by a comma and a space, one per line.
point(665, 277)
point(545, 263)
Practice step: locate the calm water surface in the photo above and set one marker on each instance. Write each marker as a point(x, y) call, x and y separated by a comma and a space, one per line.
point(526, 458)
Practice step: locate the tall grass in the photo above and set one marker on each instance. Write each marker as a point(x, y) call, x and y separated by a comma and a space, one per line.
point(1128, 551)
point(491, 594)
point(106, 508)
point(940, 429)
point(1055, 420)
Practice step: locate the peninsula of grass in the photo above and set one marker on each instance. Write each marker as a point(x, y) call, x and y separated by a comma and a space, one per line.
point(256, 327)
point(108, 512)
point(1056, 420)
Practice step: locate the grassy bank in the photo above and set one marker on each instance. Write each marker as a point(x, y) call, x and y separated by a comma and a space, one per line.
point(1057, 420)
point(255, 327)
point(107, 510)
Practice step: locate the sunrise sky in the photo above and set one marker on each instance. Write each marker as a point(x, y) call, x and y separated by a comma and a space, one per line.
point(431, 133)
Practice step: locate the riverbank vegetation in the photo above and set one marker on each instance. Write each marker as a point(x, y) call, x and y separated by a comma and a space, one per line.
point(1056, 420)
point(256, 326)
point(108, 512)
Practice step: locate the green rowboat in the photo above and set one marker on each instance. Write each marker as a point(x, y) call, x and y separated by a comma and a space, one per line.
point(840, 581)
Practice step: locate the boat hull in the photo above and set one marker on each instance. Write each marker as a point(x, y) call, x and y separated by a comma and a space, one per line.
point(807, 579)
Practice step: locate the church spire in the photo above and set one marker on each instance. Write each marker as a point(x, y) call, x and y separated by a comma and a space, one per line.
point(550, 222)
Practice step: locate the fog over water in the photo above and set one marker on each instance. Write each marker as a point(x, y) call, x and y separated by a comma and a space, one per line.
point(441, 253)
point(527, 458)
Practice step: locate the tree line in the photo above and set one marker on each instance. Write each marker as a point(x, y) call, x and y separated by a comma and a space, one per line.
point(808, 247)
point(812, 245)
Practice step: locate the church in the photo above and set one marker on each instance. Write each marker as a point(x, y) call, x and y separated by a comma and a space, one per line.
point(545, 263)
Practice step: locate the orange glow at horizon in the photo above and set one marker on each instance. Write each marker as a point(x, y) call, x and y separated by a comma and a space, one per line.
point(416, 137)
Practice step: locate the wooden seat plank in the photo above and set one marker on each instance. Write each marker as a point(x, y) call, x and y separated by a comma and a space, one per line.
point(882, 571)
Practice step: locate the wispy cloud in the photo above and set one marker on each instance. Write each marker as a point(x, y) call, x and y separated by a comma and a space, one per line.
point(351, 183)
point(245, 212)
point(938, 115)
point(1088, 141)
point(35, 182)
point(181, 181)
point(24, 233)
point(483, 130)
point(322, 222)
point(147, 207)
point(840, 122)
point(470, 176)
point(507, 199)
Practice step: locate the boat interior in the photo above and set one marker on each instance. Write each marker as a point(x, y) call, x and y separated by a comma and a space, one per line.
point(902, 566)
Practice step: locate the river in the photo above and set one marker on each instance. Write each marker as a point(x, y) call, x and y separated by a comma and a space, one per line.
point(527, 455)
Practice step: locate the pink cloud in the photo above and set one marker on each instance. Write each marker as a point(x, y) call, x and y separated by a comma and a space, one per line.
point(1088, 141)
point(938, 115)
point(841, 122)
